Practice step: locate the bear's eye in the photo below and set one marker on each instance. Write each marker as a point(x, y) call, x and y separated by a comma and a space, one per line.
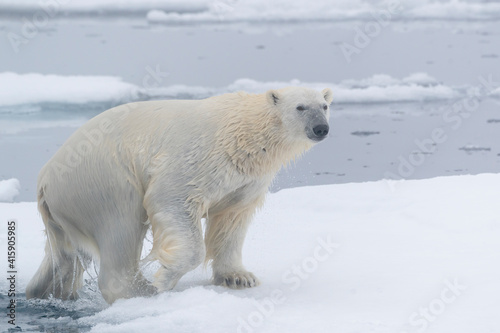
point(301, 108)
point(325, 107)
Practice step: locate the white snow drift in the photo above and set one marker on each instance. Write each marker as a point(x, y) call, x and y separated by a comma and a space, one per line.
point(39, 88)
point(385, 256)
point(9, 189)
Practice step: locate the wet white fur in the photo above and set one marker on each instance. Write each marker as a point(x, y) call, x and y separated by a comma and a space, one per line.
point(168, 164)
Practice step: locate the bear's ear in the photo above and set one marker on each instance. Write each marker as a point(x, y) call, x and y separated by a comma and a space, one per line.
point(272, 97)
point(328, 95)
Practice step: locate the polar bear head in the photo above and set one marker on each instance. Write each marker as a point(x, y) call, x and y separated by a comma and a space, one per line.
point(304, 112)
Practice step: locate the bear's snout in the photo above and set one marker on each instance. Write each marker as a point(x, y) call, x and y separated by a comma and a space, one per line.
point(321, 131)
point(317, 132)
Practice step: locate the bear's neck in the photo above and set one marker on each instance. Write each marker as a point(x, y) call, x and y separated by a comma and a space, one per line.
point(255, 140)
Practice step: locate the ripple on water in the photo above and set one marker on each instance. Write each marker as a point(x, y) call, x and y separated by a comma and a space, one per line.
point(58, 316)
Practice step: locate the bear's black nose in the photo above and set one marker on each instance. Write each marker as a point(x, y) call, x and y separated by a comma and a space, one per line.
point(321, 130)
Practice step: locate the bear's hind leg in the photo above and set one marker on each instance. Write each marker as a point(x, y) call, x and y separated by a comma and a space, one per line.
point(61, 272)
point(119, 274)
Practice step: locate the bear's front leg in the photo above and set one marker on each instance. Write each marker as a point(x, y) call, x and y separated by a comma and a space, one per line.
point(177, 245)
point(224, 239)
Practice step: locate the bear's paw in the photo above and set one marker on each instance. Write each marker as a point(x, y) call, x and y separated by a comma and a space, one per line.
point(236, 280)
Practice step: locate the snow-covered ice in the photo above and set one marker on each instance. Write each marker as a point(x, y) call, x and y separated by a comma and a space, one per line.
point(38, 88)
point(102, 7)
point(215, 11)
point(9, 189)
point(18, 89)
point(385, 256)
point(374, 89)
point(325, 10)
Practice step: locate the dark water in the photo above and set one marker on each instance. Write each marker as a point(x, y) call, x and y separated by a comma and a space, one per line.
point(49, 316)
point(55, 315)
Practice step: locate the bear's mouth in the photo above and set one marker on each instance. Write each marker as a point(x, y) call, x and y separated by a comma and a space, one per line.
point(315, 138)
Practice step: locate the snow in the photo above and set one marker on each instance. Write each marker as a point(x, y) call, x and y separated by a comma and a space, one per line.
point(39, 88)
point(34, 88)
point(325, 10)
point(495, 92)
point(377, 88)
point(456, 10)
point(385, 256)
point(9, 189)
point(270, 11)
point(215, 11)
point(103, 6)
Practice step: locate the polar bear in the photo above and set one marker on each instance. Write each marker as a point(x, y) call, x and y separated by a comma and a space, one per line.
point(168, 164)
